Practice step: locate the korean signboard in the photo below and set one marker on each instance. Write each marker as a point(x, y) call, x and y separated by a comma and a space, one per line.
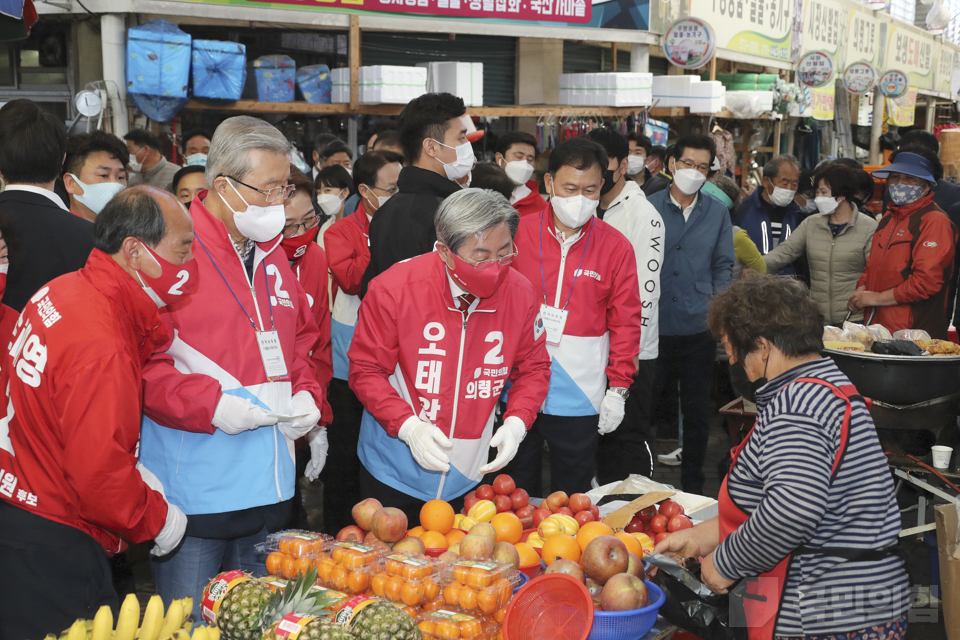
point(894, 83)
point(815, 68)
point(864, 37)
point(689, 43)
point(903, 109)
point(912, 52)
point(859, 78)
point(825, 27)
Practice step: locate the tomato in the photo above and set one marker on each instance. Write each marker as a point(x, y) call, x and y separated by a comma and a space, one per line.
point(567, 511)
point(503, 503)
point(660, 537)
point(504, 484)
point(486, 492)
point(539, 515)
point(670, 508)
point(678, 523)
point(469, 501)
point(583, 517)
point(659, 523)
point(520, 498)
point(595, 510)
point(645, 515)
point(635, 526)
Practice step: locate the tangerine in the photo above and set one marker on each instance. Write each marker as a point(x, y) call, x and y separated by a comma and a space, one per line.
point(468, 599)
point(455, 536)
point(451, 593)
point(470, 629)
point(560, 546)
point(275, 563)
point(447, 629)
point(338, 577)
point(432, 605)
point(378, 584)
point(358, 581)
point(633, 545)
point(416, 532)
point(290, 567)
point(508, 527)
point(427, 626)
point(488, 601)
point(431, 589)
point(500, 614)
point(437, 515)
point(325, 570)
point(393, 588)
point(591, 530)
point(412, 593)
point(528, 555)
point(434, 540)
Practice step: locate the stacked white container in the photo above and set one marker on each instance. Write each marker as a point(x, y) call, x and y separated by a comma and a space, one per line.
point(606, 89)
point(462, 79)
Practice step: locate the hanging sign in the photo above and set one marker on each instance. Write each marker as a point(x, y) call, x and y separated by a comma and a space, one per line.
point(815, 69)
point(902, 110)
point(894, 84)
point(689, 43)
point(860, 78)
point(823, 102)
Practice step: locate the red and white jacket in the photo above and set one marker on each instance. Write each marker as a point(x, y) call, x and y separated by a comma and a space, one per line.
point(213, 349)
point(312, 273)
point(348, 250)
point(415, 352)
point(529, 200)
point(602, 333)
point(72, 375)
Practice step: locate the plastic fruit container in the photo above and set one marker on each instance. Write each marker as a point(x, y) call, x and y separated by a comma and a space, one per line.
point(348, 566)
point(626, 625)
point(275, 583)
point(447, 624)
point(296, 542)
point(479, 588)
point(354, 555)
point(407, 579)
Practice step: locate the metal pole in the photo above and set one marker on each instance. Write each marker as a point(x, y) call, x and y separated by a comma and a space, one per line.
point(876, 127)
point(113, 43)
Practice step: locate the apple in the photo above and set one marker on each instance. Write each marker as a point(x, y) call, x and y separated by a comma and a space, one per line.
point(486, 492)
point(520, 498)
point(379, 544)
point(539, 515)
point(604, 557)
point(524, 513)
point(583, 517)
point(678, 523)
point(503, 503)
point(580, 502)
point(473, 547)
point(411, 544)
point(370, 538)
point(484, 529)
point(504, 484)
point(506, 552)
point(660, 537)
point(351, 533)
point(556, 500)
point(470, 500)
point(363, 511)
point(635, 565)
point(670, 508)
point(454, 548)
point(595, 510)
point(593, 587)
point(635, 526)
point(568, 567)
point(389, 524)
point(624, 592)
point(659, 523)
point(567, 511)
point(448, 557)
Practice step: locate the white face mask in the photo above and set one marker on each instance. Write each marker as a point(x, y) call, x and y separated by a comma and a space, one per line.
point(96, 196)
point(688, 181)
point(635, 164)
point(257, 222)
point(329, 203)
point(133, 165)
point(574, 211)
point(811, 206)
point(826, 204)
point(782, 197)
point(197, 159)
point(464, 163)
point(520, 171)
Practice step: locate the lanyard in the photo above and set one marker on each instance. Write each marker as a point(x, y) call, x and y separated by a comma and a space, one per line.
point(576, 273)
point(273, 326)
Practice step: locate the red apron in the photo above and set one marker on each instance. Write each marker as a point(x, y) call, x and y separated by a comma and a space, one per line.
point(764, 593)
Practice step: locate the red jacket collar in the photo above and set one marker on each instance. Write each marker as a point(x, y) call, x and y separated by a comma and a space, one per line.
point(213, 232)
point(909, 209)
point(361, 214)
point(549, 227)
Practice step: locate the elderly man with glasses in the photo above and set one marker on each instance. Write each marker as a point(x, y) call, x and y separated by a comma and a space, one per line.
point(235, 385)
point(438, 338)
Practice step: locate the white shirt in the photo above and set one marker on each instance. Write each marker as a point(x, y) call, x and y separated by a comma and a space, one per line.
point(40, 190)
point(688, 210)
point(519, 194)
point(457, 292)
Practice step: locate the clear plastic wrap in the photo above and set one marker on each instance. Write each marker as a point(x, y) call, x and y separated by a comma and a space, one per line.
point(911, 334)
point(832, 334)
point(854, 332)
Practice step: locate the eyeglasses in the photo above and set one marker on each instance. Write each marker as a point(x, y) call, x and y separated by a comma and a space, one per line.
point(504, 261)
point(391, 191)
point(690, 164)
point(292, 230)
point(275, 195)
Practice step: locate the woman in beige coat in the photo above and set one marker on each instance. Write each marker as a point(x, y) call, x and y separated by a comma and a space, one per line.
point(836, 240)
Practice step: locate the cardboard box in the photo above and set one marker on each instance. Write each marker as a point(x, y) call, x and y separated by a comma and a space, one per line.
point(622, 516)
point(462, 79)
point(948, 532)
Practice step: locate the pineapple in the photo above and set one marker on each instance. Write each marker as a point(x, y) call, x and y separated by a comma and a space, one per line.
point(241, 609)
point(383, 621)
point(315, 629)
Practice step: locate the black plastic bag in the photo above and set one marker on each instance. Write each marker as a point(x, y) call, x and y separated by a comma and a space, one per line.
point(896, 348)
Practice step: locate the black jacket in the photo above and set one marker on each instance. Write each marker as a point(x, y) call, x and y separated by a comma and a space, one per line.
point(658, 182)
point(403, 227)
point(44, 242)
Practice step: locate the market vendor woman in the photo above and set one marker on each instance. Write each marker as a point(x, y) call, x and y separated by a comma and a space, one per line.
point(808, 505)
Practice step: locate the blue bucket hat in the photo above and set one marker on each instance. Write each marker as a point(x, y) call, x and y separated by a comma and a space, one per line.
point(909, 164)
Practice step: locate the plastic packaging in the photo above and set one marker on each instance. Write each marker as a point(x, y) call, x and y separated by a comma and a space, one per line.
point(832, 334)
point(446, 624)
point(158, 68)
point(879, 332)
point(479, 588)
point(219, 69)
point(315, 83)
point(275, 76)
point(911, 334)
point(857, 333)
point(407, 579)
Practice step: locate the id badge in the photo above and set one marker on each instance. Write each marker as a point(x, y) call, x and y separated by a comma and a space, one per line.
point(553, 321)
point(272, 355)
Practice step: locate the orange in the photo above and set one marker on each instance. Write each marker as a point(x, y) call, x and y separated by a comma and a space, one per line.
point(434, 540)
point(325, 570)
point(508, 526)
point(470, 629)
point(290, 567)
point(304, 564)
point(591, 530)
point(432, 605)
point(633, 545)
point(447, 629)
point(505, 591)
point(488, 600)
point(338, 577)
point(275, 563)
point(378, 584)
point(427, 626)
point(528, 555)
point(416, 532)
point(431, 589)
point(455, 536)
point(393, 588)
point(500, 614)
point(451, 593)
point(437, 515)
point(560, 546)
point(358, 581)
point(412, 593)
point(468, 599)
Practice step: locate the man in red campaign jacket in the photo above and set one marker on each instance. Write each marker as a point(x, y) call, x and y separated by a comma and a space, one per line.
point(69, 481)
point(585, 274)
point(517, 154)
point(439, 336)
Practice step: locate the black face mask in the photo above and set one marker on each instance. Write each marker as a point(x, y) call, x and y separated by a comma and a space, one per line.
point(748, 388)
point(608, 182)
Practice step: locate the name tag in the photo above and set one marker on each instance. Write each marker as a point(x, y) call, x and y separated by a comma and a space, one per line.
point(272, 355)
point(554, 321)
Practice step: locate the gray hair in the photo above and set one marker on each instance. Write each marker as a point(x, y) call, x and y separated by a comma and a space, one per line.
point(233, 139)
point(471, 211)
point(772, 168)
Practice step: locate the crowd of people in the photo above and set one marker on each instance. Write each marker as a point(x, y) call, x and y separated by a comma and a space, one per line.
point(402, 324)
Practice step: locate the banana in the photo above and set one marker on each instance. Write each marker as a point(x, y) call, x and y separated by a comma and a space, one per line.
point(172, 621)
point(187, 626)
point(128, 619)
point(152, 619)
point(102, 624)
point(200, 633)
point(77, 631)
point(187, 607)
point(213, 633)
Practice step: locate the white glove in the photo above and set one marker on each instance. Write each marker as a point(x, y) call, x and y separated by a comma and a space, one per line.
point(611, 412)
point(172, 532)
point(317, 439)
point(425, 442)
point(507, 440)
point(302, 404)
point(235, 415)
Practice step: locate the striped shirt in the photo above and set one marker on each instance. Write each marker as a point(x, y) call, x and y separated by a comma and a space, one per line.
point(782, 481)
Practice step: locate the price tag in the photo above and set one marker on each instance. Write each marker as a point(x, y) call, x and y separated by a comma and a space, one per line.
point(272, 355)
point(553, 321)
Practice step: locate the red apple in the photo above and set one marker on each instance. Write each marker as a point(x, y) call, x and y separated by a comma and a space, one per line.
point(635, 565)
point(485, 492)
point(567, 511)
point(678, 523)
point(624, 592)
point(660, 537)
point(593, 588)
point(583, 517)
point(568, 567)
point(540, 515)
point(646, 515)
point(670, 508)
point(352, 533)
point(595, 510)
point(659, 523)
point(363, 511)
point(503, 503)
point(504, 484)
point(469, 501)
point(635, 526)
point(580, 502)
point(369, 539)
point(604, 557)
point(556, 500)
point(520, 498)
point(389, 524)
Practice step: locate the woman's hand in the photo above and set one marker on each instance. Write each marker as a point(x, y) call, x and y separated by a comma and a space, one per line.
point(709, 574)
point(692, 543)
